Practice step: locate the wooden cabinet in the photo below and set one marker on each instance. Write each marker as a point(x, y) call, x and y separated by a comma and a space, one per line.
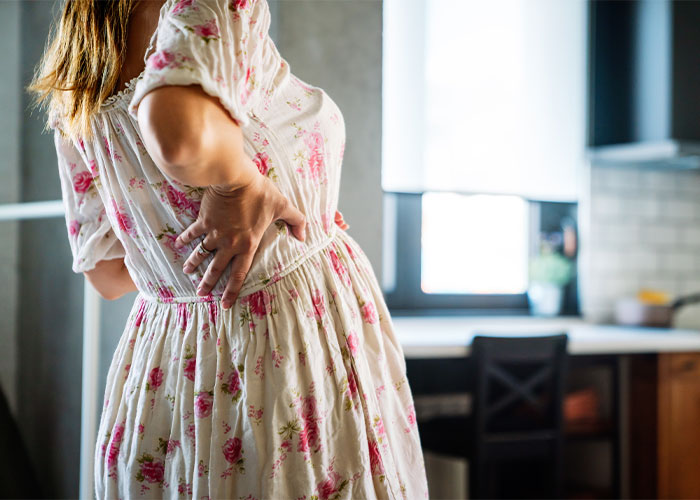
point(664, 426)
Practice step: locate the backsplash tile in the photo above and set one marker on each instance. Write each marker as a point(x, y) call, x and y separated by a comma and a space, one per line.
point(643, 230)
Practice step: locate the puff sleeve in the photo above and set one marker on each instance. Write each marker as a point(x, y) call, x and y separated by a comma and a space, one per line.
point(90, 233)
point(218, 44)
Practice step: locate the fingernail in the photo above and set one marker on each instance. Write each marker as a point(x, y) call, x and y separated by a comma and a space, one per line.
point(187, 269)
point(178, 244)
point(200, 291)
point(225, 304)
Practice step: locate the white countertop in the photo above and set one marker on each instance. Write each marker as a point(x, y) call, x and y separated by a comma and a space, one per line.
point(451, 336)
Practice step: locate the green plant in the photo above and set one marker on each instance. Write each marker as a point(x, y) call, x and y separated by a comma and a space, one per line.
point(551, 267)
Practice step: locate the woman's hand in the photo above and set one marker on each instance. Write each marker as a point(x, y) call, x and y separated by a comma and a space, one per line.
point(234, 221)
point(340, 221)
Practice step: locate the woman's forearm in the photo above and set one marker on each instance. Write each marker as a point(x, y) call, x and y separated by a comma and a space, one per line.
point(111, 279)
point(193, 139)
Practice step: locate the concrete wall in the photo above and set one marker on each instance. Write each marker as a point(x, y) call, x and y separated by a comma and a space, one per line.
point(337, 45)
point(9, 193)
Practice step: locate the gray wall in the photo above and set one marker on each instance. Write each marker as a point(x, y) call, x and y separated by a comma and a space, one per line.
point(333, 44)
point(9, 193)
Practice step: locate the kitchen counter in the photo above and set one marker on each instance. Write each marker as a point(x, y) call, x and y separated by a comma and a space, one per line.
point(451, 336)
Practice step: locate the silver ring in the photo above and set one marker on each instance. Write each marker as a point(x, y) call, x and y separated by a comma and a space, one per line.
point(203, 252)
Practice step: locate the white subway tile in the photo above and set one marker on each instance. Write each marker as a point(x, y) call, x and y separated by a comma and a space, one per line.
point(678, 209)
point(690, 235)
point(688, 182)
point(674, 261)
point(606, 205)
point(658, 180)
point(659, 235)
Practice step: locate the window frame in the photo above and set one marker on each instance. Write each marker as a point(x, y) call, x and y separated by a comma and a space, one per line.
point(404, 296)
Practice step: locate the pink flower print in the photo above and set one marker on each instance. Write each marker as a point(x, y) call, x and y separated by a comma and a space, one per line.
point(239, 4)
point(375, 459)
point(163, 58)
point(179, 200)
point(165, 294)
point(183, 315)
point(232, 450)
point(329, 486)
point(190, 432)
point(352, 343)
point(277, 357)
point(379, 426)
point(352, 384)
point(207, 31)
point(140, 314)
point(126, 225)
point(110, 152)
point(155, 378)
point(82, 182)
point(260, 303)
point(74, 228)
point(182, 5)
point(234, 382)
point(203, 404)
point(172, 444)
point(213, 311)
point(319, 304)
point(190, 365)
point(115, 443)
point(411, 415)
point(316, 163)
point(350, 252)
point(369, 313)
point(339, 267)
point(93, 168)
point(153, 471)
point(261, 161)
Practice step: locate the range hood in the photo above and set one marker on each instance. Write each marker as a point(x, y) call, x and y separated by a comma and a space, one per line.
point(644, 83)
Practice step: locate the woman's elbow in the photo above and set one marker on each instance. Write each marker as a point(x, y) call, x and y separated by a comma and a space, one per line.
point(169, 128)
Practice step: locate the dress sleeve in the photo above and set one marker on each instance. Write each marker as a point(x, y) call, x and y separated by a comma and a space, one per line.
point(90, 233)
point(218, 44)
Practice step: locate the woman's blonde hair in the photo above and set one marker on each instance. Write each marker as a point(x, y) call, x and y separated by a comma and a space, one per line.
point(82, 62)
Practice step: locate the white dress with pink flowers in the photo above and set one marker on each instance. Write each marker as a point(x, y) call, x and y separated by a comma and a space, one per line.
point(298, 391)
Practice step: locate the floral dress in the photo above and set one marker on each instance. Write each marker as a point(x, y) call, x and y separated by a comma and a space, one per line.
point(299, 390)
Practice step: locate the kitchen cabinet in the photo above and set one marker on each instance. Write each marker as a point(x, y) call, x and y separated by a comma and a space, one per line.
point(665, 425)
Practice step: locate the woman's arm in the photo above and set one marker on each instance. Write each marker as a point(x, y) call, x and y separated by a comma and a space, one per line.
point(111, 279)
point(193, 139)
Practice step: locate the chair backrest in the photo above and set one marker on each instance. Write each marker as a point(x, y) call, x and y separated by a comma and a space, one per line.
point(519, 383)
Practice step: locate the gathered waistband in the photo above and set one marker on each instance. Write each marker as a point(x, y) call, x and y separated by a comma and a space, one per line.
point(253, 287)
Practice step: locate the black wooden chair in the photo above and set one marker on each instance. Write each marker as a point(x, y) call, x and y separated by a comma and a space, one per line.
point(513, 437)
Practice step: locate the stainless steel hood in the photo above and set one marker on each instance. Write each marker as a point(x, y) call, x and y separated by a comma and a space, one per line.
point(644, 83)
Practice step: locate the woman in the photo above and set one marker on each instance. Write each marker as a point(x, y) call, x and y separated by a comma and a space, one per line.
point(259, 359)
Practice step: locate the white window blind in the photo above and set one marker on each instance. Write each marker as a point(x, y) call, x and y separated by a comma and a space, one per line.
point(484, 96)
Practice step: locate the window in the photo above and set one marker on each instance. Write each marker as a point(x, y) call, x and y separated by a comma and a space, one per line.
point(474, 244)
point(483, 139)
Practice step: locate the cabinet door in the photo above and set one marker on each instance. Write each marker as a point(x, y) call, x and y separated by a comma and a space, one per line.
point(679, 425)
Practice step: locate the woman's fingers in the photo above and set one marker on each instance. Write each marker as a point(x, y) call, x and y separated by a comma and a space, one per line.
point(340, 221)
point(194, 231)
point(195, 258)
point(293, 216)
point(239, 270)
point(214, 271)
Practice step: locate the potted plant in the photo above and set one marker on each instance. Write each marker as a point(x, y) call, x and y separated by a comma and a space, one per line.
point(550, 271)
